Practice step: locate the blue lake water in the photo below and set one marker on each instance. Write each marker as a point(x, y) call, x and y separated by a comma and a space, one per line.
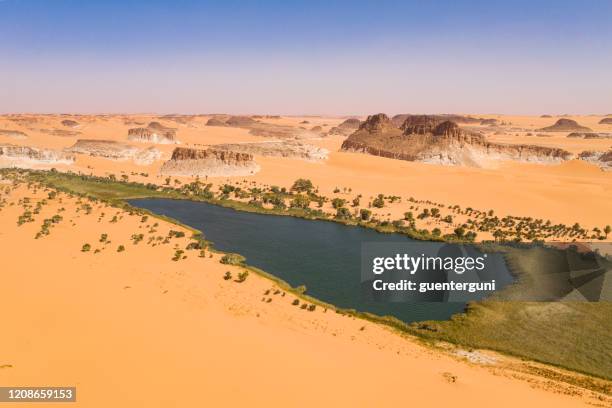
point(324, 256)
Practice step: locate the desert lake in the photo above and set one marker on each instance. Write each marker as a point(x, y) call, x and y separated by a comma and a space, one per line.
point(324, 256)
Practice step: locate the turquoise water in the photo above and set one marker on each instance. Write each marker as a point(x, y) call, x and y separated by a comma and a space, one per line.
point(324, 256)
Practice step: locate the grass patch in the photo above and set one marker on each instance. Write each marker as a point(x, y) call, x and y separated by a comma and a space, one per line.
point(572, 335)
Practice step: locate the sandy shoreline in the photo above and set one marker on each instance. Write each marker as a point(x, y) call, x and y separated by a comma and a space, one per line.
point(159, 332)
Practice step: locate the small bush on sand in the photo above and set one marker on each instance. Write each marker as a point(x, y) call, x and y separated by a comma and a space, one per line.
point(177, 254)
point(302, 185)
point(232, 259)
point(227, 276)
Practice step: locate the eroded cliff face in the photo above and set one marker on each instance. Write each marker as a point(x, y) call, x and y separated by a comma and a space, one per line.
point(26, 156)
point(430, 139)
point(601, 159)
point(153, 133)
point(110, 149)
point(209, 162)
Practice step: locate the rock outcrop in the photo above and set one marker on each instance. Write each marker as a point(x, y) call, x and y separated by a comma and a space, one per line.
point(429, 139)
point(270, 130)
point(565, 125)
point(209, 162)
point(15, 134)
point(285, 148)
point(398, 120)
point(345, 128)
point(153, 133)
point(27, 156)
point(61, 132)
point(215, 122)
point(601, 159)
point(182, 119)
point(590, 135)
point(240, 121)
point(70, 123)
point(489, 122)
point(110, 149)
point(606, 121)
point(263, 129)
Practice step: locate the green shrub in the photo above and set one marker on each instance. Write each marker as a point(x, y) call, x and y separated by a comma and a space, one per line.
point(178, 254)
point(302, 185)
point(365, 214)
point(232, 259)
point(300, 201)
point(379, 202)
point(338, 203)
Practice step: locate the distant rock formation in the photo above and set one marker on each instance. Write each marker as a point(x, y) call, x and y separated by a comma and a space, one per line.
point(606, 121)
point(182, 119)
point(15, 134)
point(155, 132)
point(240, 121)
point(60, 132)
point(271, 130)
point(215, 122)
point(601, 159)
point(565, 125)
point(209, 162)
point(27, 156)
point(285, 148)
point(263, 129)
point(489, 122)
point(590, 135)
point(316, 129)
point(545, 116)
point(345, 128)
point(398, 120)
point(430, 139)
point(110, 149)
point(70, 123)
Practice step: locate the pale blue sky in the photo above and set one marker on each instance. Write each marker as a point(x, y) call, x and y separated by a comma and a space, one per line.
point(316, 57)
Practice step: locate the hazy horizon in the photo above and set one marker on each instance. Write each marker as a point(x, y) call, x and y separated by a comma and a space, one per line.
point(311, 58)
